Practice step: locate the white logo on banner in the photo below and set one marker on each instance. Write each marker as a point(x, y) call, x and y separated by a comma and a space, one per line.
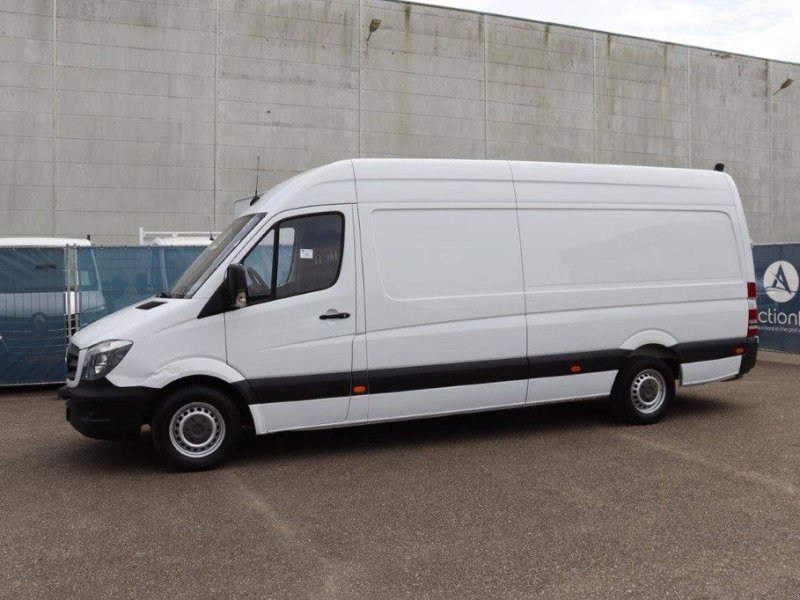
point(781, 281)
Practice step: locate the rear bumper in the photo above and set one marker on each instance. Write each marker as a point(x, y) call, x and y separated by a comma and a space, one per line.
point(750, 355)
point(101, 410)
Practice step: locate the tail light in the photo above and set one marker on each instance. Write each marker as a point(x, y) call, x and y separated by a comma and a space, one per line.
point(752, 310)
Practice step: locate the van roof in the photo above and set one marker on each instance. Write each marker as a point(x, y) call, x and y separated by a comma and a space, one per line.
point(334, 181)
point(42, 242)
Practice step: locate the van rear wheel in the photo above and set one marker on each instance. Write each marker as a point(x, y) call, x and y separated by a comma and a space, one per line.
point(643, 391)
point(196, 427)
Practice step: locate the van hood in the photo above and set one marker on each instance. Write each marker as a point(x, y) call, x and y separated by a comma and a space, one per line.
point(134, 323)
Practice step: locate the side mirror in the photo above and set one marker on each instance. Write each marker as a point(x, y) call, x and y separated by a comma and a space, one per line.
point(236, 284)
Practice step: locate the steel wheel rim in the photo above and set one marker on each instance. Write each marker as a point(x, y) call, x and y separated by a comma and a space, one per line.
point(648, 391)
point(197, 430)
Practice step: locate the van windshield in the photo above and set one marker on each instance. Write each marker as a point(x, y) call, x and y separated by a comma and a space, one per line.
point(212, 256)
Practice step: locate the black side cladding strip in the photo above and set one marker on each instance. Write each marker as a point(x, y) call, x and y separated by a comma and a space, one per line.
point(405, 379)
point(714, 350)
point(556, 365)
point(302, 387)
point(361, 379)
point(382, 381)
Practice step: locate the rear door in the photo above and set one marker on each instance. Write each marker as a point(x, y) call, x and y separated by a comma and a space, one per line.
point(293, 341)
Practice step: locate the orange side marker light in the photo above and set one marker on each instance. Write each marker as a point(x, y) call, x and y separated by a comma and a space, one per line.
point(739, 350)
point(359, 389)
point(575, 369)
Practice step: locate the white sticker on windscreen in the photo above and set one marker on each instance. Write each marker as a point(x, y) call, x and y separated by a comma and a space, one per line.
point(306, 253)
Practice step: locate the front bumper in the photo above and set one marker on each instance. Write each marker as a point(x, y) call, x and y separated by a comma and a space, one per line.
point(101, 410)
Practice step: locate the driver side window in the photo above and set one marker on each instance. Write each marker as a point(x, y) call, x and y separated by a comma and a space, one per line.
point(309, 255)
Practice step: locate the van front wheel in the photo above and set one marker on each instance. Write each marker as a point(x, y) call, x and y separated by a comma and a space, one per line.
point(643, 391)
point(195, 427)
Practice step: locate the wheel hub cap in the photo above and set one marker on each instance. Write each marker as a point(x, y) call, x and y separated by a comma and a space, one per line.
point(197, 429)
point(648, 391)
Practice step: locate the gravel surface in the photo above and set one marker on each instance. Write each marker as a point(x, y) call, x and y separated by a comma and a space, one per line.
point(549, 501)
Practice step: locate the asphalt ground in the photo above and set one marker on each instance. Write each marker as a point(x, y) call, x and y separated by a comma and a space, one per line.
point(551, 501)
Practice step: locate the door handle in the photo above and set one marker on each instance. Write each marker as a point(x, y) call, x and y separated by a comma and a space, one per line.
point(334, 315)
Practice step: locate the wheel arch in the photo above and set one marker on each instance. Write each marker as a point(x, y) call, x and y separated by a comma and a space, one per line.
point(668, 355)
point(237, 393)
point(655, 343)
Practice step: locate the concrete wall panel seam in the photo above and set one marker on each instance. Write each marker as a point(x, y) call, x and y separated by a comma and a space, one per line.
point(485, 89)
point(594, 96)
point(216, 111)
point(53, 139)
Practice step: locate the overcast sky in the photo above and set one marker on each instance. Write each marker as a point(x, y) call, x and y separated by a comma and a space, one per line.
point(764, 28)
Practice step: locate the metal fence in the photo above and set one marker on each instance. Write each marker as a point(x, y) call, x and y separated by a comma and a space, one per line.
point(48, 293)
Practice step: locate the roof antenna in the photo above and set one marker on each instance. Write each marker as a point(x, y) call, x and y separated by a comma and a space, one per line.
point(210, 231)
point(255, 195)
point(719, 167)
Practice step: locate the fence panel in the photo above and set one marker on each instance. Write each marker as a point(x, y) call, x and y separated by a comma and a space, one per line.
point(48, 293)
point(33, 315)
point(777, 267)
point(130, 274)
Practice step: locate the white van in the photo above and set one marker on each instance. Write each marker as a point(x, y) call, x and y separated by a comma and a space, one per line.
point(376, 290)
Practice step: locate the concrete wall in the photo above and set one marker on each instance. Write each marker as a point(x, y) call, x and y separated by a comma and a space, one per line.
point(116, 114)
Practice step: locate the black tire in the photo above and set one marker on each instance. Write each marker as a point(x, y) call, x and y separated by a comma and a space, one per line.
point(196, 427)
point(643, 390)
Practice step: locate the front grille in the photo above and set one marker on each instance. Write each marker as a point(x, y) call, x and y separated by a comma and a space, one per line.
point(72, 361)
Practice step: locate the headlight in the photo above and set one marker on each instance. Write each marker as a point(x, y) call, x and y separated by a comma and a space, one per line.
point(103, 357)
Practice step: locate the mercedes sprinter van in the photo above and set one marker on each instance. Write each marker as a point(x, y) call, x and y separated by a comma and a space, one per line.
point(376, 290)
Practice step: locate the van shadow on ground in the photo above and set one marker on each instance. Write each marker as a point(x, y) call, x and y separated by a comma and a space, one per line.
point(457, 429)
point(139, 455)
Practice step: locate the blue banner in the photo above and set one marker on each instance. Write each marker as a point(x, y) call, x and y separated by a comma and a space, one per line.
point(33, 320)
point(44, 296)
point(777, 267)
point(128, 275)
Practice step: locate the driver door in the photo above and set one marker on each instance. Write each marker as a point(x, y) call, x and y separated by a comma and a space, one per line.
point(293, 341)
